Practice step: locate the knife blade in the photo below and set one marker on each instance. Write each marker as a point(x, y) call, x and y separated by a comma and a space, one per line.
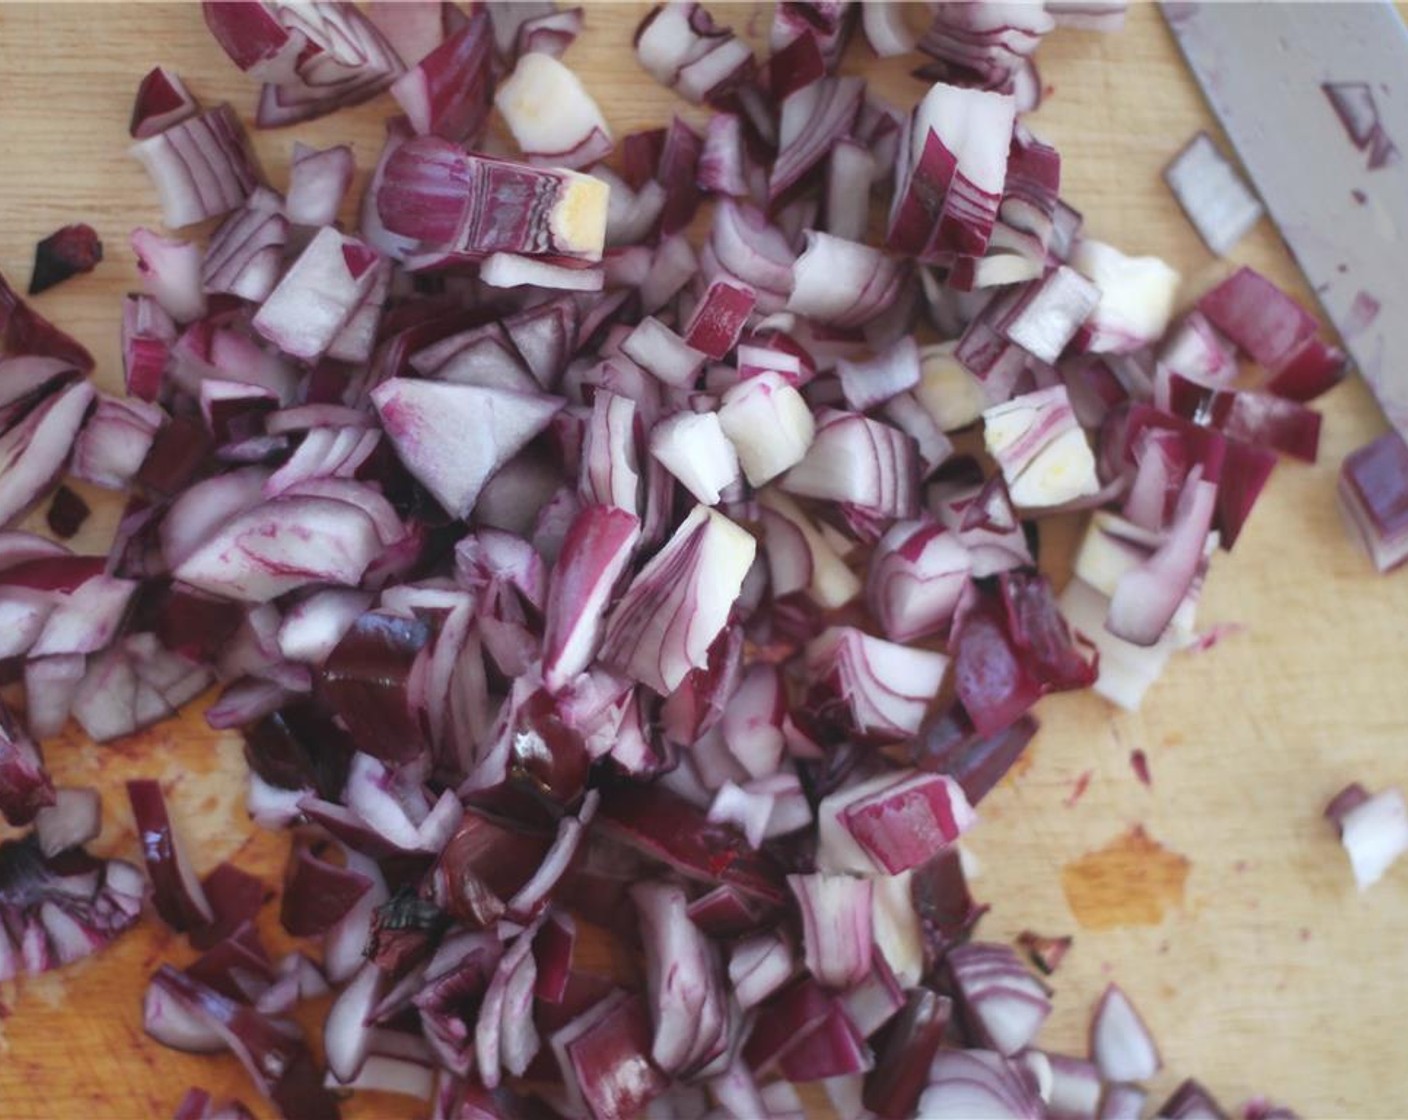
point(1314, 98)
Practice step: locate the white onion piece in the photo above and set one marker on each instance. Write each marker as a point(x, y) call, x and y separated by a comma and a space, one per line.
point(552, 117)
point(1136, 298)
point(318, 294)
point(692, 446)
point(171, 273)
point(1215, 198)
point(837, 936)
point(1374, 833)
point(769, 424)
point(1041, 449)
point(947, 390)
point(453, 437)
point(1120, 1043)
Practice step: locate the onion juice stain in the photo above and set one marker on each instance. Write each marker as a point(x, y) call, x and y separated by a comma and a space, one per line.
point(1131, 881)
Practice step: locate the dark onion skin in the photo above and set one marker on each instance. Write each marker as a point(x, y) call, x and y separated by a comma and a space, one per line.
point(66, 252)
point(67, 513)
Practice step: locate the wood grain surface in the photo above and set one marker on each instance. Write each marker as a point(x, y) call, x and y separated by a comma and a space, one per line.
point(1217, 896)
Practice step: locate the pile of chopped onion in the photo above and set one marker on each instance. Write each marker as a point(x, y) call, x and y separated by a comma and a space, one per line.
point(560, 572)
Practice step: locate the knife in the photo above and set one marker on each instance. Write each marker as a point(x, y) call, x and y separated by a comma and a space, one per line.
point(1314, 97)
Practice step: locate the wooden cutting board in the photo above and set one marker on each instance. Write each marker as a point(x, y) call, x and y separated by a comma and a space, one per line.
point(1231, 918)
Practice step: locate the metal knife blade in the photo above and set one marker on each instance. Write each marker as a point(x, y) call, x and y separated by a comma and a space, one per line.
point(1263, 68)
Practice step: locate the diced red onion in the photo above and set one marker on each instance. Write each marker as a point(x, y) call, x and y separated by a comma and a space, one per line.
point(858, 461)
point(201, 166)
point(318, 294)
point(177, 893)
point(162, 101)
point(876, 688)
point(679, 602)
point(1374, 498)
point(967, 1083)
point(842, 283)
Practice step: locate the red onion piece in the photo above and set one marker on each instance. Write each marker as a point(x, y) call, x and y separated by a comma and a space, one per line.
point(965, 1083)
point(1002, 1001)
point(1260, 318)
point(836, 929)
point(604, 1057)
point(686, 997)
point(202, 166)
point(171, 273)
point(874, 688)
point(905, 823)
point(25, 786)
point(893, 1087)
point(695, 450)
point(1191, 1101)
point(177, 894)
point(318, 180)
point(842, 283)
point(162, 101)
point(71, 821)
point(886, 29)
point(1374, 498)
point(432, 425)
point(1123, 1102)
point(318, 294)
point(917, 575)
point(470, 207)
point(245, 255)
point(318, 894)
point(860, 462)
point(1136, 298)
point(679, 602)
point(447, 91)
point(35, 450)
point(1041, 449)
